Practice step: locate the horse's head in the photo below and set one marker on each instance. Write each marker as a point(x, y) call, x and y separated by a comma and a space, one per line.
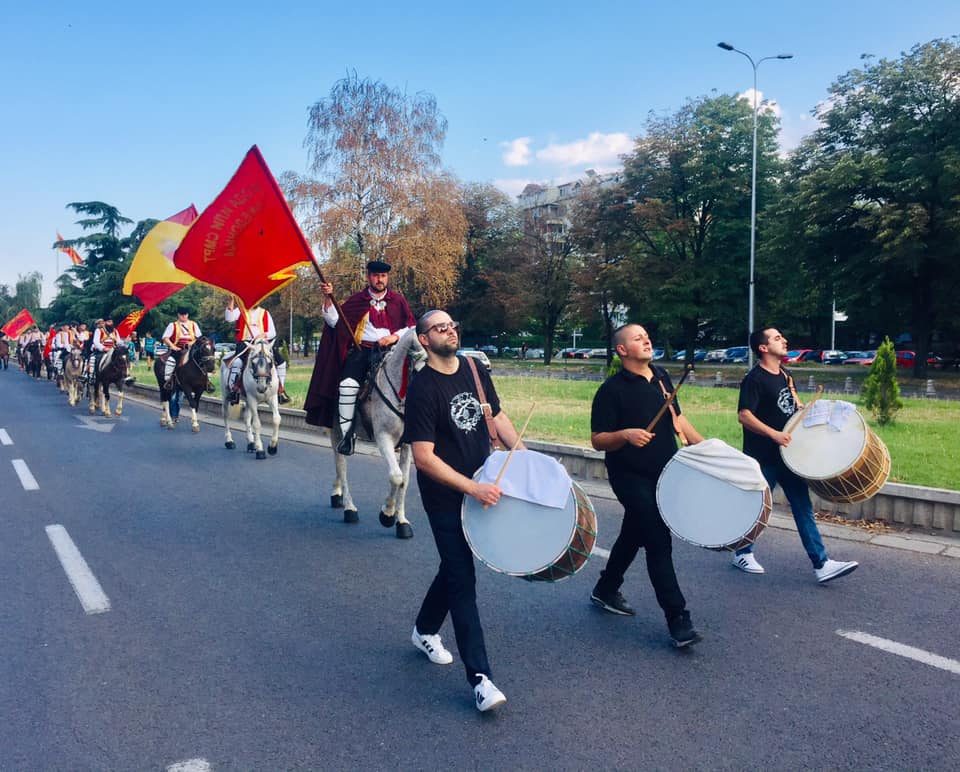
point(120, 359)
point(203, 354)
point(260, 364)
point(75, 360)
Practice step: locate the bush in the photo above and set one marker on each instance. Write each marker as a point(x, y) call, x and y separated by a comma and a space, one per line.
point(881, 393)
point(615, 366)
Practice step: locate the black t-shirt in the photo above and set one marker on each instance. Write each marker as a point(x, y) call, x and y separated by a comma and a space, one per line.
point(445, 410)
point(769, 398)
point(628, 401)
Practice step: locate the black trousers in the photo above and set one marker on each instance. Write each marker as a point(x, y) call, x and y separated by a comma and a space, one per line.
point(643, 527)
point(356, 365)
point(454, 590)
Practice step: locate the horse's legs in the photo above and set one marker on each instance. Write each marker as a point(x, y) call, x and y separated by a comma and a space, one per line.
point(105, 397)
point(194, 402)
point(120, 400)
point(252, 419)
point(386, 442)
point(228, 442)
point(165, 418)
point(92, 405)
point(341, 490)
point(275, 437)
point(406, 454)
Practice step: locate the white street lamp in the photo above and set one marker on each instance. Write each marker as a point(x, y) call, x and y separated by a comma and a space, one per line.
point(753, 179)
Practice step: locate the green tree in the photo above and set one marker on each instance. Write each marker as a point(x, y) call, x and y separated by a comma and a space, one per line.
point(689, 179)
point(881, 392)
point(880, 185)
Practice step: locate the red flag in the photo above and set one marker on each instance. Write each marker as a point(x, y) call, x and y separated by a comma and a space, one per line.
point(51, 334)
point(247, 241)
point(70, 252)
point(130, 322)
point(18, 325)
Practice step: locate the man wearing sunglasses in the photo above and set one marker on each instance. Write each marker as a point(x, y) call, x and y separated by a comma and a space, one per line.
point(378, 317)
point(450, 439)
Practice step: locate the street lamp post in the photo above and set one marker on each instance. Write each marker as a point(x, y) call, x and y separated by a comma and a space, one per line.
point(753, 177)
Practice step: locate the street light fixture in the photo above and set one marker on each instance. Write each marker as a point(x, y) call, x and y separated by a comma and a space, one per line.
point(753, 179)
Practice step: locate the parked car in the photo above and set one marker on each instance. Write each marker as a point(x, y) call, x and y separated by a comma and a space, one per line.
point(736, 355)
point(477, 354)
point(907, 358)
point(860, 357)
point(533, 353)
point(833, 357)
point(698, 355)
point(489, 350)
point(812, 355)
point(658, 353)
point(597, 353)
point(796, 355)
point(716, 355)
point(582, 353)
point(565, 353)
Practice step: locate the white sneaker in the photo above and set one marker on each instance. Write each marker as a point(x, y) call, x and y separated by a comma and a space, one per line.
point(432, 646)
point(488, 696)
point(747, 563)
point(834, 569)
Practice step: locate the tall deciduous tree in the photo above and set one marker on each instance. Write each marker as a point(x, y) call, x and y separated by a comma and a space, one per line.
point(689, 179)
point(379, 191)
point(882, 180)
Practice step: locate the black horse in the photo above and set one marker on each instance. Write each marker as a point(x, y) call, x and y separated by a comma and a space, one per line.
point(33, 358)
point(113, 369)
point(192, 378)
point(4, 354)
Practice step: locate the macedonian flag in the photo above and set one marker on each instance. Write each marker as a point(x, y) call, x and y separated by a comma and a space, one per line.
point(247, 242)
point(18, 325)
point(130, 322)
point(152, 276)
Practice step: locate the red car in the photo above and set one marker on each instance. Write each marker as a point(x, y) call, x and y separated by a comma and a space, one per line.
point(907, 358)
point(797, 355)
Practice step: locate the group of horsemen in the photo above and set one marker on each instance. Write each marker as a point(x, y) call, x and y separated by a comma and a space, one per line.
point(92, 346)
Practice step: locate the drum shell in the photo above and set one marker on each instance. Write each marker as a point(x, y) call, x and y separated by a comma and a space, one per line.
point(574, 556)
point(858, 481)
point(753, 523)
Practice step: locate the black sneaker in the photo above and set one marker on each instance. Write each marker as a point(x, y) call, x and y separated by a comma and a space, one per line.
point(234, 397)
point(282, 398)
point(615, 604)
point(681, 630)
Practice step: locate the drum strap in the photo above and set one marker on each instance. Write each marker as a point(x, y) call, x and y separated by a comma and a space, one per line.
point(495, 442)
point(793, 389)
point(673, 415)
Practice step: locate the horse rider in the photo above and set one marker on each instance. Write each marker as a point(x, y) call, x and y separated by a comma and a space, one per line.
point(256, 325)
point(62, 343)
point(105, 337)
point(378, 317)
point(178, 337)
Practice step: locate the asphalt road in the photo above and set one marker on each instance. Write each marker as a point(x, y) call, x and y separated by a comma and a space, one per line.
point(249, 627)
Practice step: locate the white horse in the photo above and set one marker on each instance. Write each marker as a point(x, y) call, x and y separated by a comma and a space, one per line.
point(381, 414)
point(261, 385)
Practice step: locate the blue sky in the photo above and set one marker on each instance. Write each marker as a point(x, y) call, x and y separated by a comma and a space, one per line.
point(150, 108)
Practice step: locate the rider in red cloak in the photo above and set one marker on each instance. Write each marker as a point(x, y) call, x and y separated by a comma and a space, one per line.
point(378, 317)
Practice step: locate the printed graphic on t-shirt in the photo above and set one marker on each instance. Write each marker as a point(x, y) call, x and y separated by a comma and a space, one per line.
point(785, 401)
point(465, 411)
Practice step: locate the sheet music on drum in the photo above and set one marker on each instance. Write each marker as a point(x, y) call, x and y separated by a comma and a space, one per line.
point(531, 476)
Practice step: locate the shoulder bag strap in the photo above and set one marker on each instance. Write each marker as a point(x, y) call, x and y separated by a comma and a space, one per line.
point(495, 442)
point(673, 413)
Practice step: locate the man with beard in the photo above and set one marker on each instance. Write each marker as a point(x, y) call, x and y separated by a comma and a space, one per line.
point(377, 317)
point(449, 434)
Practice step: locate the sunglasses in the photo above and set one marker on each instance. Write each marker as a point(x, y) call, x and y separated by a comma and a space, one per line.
point(442, 327)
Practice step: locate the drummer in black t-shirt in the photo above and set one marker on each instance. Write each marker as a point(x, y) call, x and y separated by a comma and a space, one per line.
point(623, 406)
point(446, 428)
point(767, 400)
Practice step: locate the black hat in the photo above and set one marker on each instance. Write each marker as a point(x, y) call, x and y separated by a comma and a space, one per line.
point(183, 310)
point(378, 266)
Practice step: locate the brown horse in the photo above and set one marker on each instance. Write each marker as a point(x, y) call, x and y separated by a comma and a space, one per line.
point(4, 354)
point(113, 369)
point(192, 377)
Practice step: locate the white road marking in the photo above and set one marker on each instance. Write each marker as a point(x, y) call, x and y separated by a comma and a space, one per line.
point(190, 765)
point(5, 438)
point(910, 652)
point(27, 480)
point(600, 552)
point(85, 584)
point(97, 424)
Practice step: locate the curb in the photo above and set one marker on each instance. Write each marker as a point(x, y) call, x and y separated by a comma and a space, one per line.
point(925, 544)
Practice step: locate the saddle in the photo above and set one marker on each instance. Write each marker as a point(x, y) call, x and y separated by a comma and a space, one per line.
point(375, 363)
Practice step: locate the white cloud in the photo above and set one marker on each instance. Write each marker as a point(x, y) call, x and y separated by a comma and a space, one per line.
point(596, 150)
point(516, 151)
point(769, 106)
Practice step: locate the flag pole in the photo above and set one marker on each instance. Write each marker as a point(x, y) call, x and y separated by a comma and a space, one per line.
point(336, 303)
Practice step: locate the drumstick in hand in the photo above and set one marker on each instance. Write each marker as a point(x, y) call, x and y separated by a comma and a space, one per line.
point(668, 400)
point(515, 445)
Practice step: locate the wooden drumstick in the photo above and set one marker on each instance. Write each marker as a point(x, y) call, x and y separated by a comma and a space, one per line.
point(803, 410)
point(515, 445)
point(666, 404)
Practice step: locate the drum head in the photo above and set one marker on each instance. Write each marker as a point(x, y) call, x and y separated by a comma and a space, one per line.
point(517, 537)
point(706, 510)
point(821, 452)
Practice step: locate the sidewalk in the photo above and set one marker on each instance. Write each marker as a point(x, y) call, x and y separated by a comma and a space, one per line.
point(905, 539)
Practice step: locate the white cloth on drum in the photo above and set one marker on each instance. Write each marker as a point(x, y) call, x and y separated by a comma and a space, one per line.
point(833, 412)
point(717, 459)
point(531, 476)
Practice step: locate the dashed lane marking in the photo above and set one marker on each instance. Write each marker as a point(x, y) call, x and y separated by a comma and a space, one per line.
point(27, 480)
point(901, 649)
point(190, 765)
point(600, 552)
point(5, 438)
point(92, 597)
